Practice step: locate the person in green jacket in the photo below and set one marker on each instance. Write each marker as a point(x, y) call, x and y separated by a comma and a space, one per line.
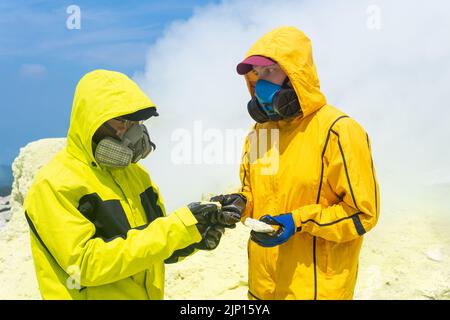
point(98, 226)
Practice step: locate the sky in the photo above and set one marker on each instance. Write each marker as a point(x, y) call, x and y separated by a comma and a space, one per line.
point(385, 63)
point(41, 60)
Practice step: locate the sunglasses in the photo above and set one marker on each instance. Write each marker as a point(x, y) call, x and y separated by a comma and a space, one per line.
point(128, 123)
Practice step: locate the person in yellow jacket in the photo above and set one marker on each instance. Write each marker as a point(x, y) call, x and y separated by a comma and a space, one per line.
point(97, 221)
point(306, 169)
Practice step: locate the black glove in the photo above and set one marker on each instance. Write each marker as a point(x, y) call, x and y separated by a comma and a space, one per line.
point(210, 213)
point(185, 252)
point(210, 240)
point(232, 205)
point(211, 235)
point(211, 223)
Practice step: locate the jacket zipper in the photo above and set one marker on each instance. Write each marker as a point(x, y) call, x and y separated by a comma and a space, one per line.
point(125, 199)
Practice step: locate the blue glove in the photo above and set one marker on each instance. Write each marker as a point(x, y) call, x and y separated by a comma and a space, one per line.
point(286, 230)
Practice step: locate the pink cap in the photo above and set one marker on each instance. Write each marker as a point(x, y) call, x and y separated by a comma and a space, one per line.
point(247, 65)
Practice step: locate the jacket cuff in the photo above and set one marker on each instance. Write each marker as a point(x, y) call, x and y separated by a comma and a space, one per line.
point(187, 218)
point(296, 216)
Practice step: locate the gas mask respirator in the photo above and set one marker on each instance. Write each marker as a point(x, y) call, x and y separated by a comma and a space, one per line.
point(273, 102)
point(120, 152)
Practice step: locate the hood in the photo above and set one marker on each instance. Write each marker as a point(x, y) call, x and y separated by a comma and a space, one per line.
point(100, 96)
point(292, 50)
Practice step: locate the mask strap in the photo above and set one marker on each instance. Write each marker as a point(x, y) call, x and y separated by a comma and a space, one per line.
point(285, 84)
point(105, 130)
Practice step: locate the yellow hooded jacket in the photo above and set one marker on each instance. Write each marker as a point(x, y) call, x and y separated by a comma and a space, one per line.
point(99, 233)
point(318, 167)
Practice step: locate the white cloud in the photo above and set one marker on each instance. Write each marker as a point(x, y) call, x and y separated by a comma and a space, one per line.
point(394, 81)
point(32, 70)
